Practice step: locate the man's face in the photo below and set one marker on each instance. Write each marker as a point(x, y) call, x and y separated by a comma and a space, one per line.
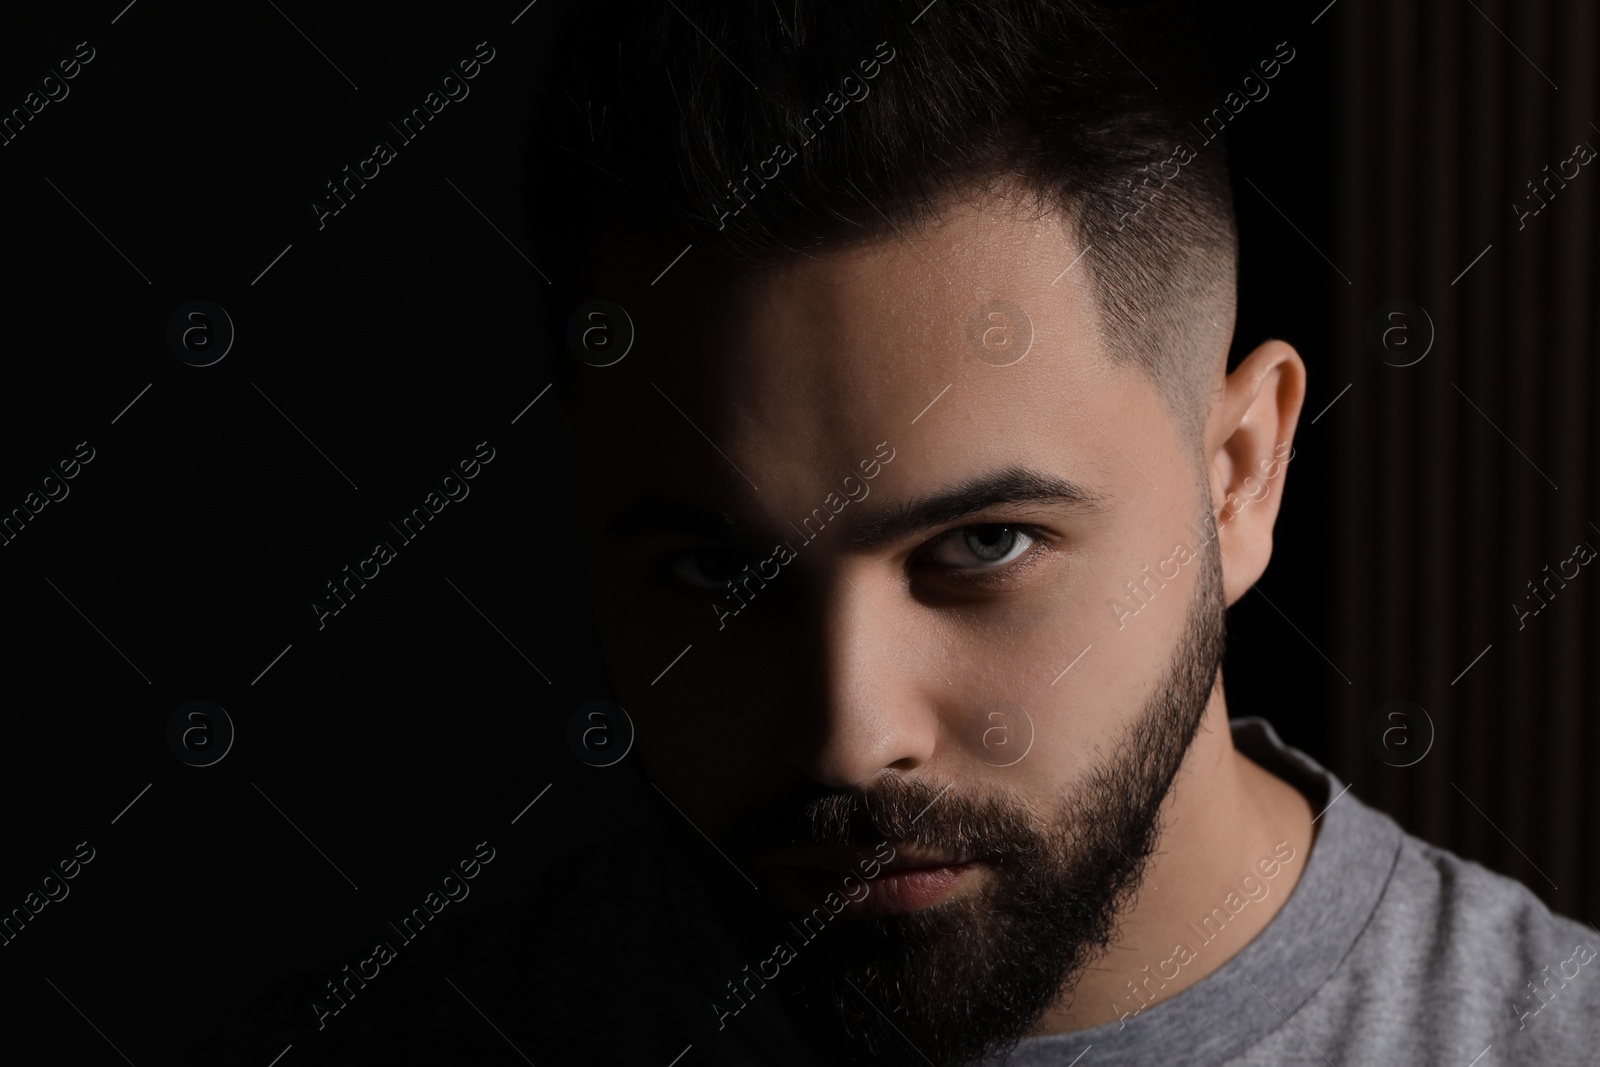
point(965, 638)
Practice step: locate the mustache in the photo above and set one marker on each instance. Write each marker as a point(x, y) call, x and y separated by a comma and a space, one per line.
point(908, 812)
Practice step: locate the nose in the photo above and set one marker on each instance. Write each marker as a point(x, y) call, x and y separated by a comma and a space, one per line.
point(869, 695)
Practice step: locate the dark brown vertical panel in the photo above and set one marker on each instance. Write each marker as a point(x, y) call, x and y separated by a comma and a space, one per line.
point(1438, 67)
point(1572, 257)
point(1394, 478)
point(1477, 711)
point(1527, 494)
point(1447, 514)
point(1357, 244)
point(1587, 40)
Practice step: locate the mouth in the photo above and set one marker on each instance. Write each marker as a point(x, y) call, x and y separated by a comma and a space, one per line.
point(858, 884)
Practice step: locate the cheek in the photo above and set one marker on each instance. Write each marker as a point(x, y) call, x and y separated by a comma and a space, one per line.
point(1050, 673)
point(1125, 663)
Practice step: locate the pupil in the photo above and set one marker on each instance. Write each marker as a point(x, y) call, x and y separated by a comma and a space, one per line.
point(991, 542)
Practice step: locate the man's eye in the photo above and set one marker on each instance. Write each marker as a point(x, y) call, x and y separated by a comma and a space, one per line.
point(981, 547)
point(707, 568)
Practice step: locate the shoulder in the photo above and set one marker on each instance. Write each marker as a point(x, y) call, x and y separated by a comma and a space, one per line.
point(1492, 934)
point(1409, 953)
point(1456, 959)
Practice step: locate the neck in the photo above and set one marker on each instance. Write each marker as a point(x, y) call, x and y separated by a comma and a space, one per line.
point(1234, 841)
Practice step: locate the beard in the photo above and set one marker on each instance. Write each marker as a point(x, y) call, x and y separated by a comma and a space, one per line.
point(968, 978)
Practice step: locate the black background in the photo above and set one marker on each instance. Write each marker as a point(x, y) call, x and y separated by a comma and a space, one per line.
point(371, 355)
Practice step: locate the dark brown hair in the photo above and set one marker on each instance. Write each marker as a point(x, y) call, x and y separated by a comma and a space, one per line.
point(770, 128)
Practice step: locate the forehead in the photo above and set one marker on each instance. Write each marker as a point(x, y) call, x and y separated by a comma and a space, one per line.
point(974, 340)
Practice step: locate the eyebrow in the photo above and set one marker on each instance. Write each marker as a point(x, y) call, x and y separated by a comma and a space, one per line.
point(1007, 487)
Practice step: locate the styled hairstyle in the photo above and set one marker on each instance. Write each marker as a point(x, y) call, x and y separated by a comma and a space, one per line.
point(770, 128)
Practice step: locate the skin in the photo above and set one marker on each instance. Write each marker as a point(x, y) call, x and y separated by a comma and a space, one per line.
point(859, 663)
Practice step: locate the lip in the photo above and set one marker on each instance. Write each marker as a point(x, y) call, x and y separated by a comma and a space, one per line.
point(912, 880)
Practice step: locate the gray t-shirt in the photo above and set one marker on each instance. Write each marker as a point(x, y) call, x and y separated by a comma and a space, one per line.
point(1388, 951)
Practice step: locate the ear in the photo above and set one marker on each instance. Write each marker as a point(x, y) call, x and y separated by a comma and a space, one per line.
point(1248, 441)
